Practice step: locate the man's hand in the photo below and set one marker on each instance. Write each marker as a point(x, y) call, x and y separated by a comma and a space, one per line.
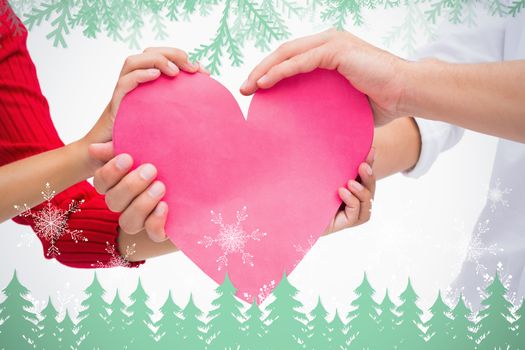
point(371, 70)
point(357, 199)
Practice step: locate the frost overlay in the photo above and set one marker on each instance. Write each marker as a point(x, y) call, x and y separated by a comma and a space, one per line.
point(496, 196)
point(51, 222)
point(232, 238)
point(477, 248)
point(116, 260)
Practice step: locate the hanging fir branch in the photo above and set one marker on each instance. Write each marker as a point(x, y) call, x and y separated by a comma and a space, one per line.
point(109, 15)
point(516, 7)
point(413, 23)
point(60, 22)
point(259, 22)
point(88, 17)
point(214, 51)
point(338, 11)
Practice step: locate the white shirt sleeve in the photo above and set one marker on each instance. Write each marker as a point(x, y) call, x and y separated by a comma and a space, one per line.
point(457, 44)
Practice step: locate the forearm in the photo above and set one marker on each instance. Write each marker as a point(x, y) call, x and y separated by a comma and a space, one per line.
point(22, 181)
point(397, 147)
point(488, 98)
point(62, 168)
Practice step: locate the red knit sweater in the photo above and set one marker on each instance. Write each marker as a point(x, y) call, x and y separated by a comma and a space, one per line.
point(26, 129)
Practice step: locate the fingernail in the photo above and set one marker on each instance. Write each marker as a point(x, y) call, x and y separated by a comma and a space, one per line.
point(156, 190)
point(192, 65)
point(172, 67)
point(96, 145)
point(244, 85)
point(202, 68)
point(153, 71)
point(356, 185)
point(160, 209)
point(147, 171)
point(262, 80)
point(123, 161)
point(344, 192)
point(368, 169)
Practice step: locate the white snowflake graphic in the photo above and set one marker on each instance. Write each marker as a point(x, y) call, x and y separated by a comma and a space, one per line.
point(506, 280)
point(477, 248)
point(299, 248)
point(37, 304)
point(451, 295)
point(232, 238)
point(51, 222)
point(264, 292)
point(116, 260)
point(26, 240)
point(66, 299)
point(309, 244)
point(496, 196)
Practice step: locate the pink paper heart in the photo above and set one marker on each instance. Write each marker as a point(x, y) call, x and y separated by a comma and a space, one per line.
point(248, 197)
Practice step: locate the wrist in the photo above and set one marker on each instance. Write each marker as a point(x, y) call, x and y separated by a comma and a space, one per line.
point(420, 78)
point(394, 92)
point(408, 82)
point(85, 165)
point(144, 247)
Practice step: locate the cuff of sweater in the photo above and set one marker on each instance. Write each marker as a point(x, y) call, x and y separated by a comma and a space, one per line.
point(86, 237)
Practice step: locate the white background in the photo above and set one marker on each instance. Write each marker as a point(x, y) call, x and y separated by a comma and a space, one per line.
point(420, 228)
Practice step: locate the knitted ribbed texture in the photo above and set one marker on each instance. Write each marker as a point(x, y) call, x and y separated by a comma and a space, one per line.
point(26, 129)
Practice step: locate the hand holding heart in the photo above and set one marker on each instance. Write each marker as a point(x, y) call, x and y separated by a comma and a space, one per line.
point(138, 196)
point(135, 195)
point(137, 69)
point(375, 72)
point(260, 144)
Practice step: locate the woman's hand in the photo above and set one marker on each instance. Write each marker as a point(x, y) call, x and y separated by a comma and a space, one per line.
point(357, 199)
point(137, 69)
point(371, 70)
point(135, 194)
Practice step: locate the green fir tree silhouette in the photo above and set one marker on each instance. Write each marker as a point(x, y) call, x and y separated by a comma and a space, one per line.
point(92, 326)
point(192, 329)
point(462, 329)
point(117, 326)
point(17, 330)
point(439, 326)
point(338, 330)
point(253, 329)
point(387, 323)
point(139, 331)
point(169, 324)
point(286, 324)
point(363, 327)
point(224, 325)
point(409, 333)
point(495, 325)
point(518, 342)
point(49, 330)
point(318, 328)
point(117, 323)
point(68, 333)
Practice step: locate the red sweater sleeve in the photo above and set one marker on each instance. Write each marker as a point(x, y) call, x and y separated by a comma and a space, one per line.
point(26, 129)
